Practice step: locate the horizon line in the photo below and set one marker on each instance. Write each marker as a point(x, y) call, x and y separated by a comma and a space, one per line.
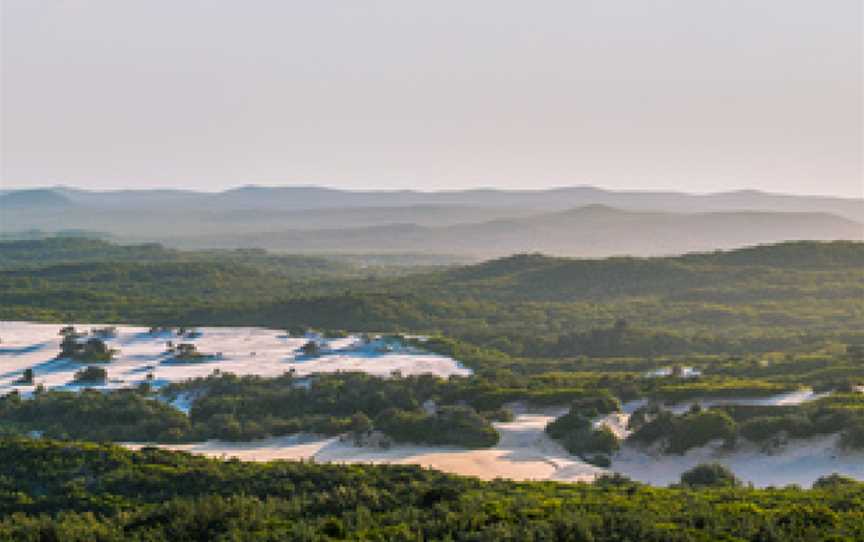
point(433, 191)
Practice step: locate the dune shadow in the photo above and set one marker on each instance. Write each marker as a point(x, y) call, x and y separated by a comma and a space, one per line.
point(24, 349)
point(142, 336)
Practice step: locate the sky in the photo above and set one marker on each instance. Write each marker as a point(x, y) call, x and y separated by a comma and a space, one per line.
point(682, 95)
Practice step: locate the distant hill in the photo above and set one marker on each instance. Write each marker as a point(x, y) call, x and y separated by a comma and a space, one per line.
point(574, 221)
point(295, 198)
point(592, 231)
point(39, 198)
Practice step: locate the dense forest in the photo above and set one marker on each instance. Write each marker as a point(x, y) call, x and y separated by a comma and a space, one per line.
point(84, 492)
point(794, 296)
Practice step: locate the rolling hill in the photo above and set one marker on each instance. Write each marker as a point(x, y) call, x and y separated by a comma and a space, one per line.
point(592, 231)
point(577, 221)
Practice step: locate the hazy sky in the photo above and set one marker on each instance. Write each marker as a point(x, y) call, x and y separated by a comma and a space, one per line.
point(700, 96)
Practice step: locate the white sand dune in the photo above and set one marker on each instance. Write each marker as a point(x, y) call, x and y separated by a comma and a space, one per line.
point(523, 453)
point(245, 351)
point(526, 453)
point(800, 462)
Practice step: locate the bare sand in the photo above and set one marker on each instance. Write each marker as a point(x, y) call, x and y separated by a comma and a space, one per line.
point(523, 453)
point(244, 351)
point(526, 453)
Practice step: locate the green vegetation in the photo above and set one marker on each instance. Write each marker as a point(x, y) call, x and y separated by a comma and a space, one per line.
point(459, 425)
point(535, 330)
point(82, 492)
point(122, 415)
point(691, 430)
point(837, 413)
point(243, 408)
point(789, 297)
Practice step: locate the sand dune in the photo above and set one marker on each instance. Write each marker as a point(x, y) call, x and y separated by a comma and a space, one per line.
point(523, 453)
point(526, 453)
point(244, 351)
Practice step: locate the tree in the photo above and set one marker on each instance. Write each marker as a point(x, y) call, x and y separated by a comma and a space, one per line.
point(311, 348)
point(27, 377)
point(361, 425)
point(96, 348)
point(91, 373)
point(835, 481)
point(709, 475)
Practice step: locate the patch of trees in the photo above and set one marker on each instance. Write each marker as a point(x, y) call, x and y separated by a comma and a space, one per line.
point(577, 433)
point(242, 408)
point(121, 415)
point(677, 434)
point(79, 347)
point(766, 425)
point(450, 425)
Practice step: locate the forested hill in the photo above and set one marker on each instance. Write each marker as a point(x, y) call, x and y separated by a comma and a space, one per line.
point(764, 268)
point(758, 298)
point(81, 252)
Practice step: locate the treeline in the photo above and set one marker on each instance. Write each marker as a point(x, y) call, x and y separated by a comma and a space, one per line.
point(84, 492)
